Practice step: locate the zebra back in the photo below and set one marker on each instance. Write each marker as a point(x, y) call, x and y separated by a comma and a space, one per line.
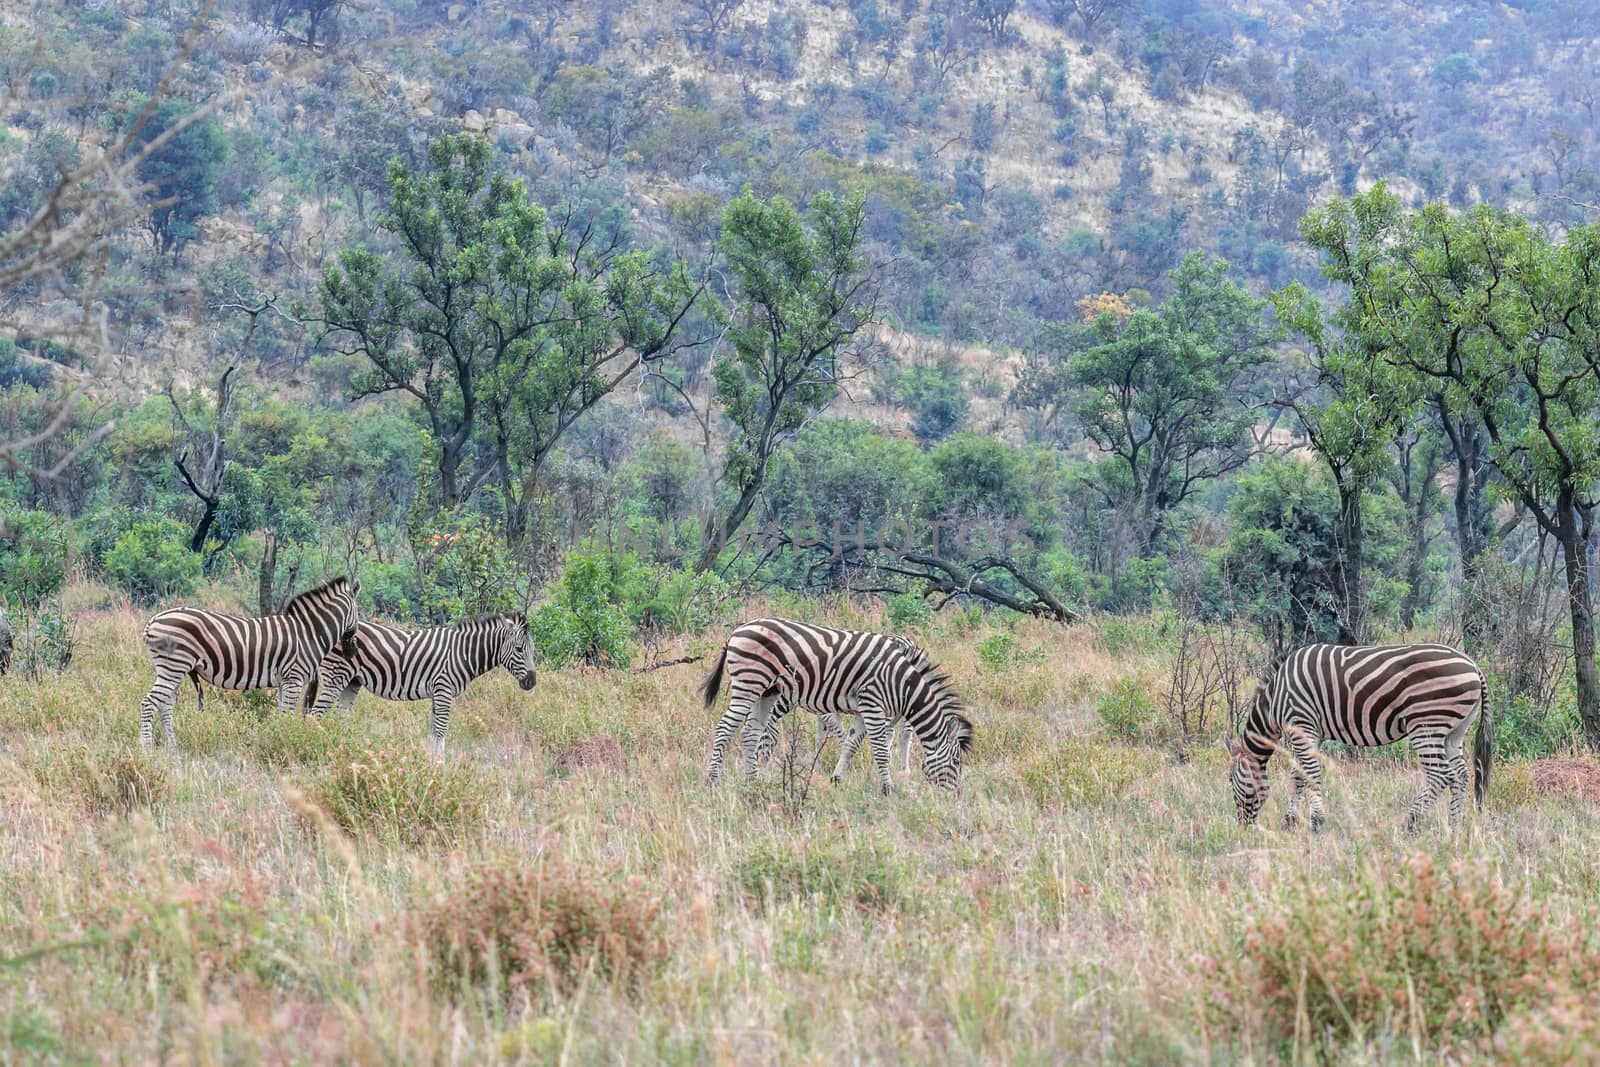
point(245, 652)
point(402, 664)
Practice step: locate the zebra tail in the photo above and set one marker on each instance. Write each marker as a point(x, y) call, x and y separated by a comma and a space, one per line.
point(199, 694)
point(1482, 747)
point(713, 680)
point(309, 700)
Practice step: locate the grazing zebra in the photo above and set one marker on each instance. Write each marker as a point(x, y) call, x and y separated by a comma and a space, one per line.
point(1364, 696)
point(434, 664)
point(241, 652)
point(874, 677)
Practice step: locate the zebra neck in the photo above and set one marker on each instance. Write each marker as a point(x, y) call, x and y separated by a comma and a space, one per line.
point(1260, 735)
point(480, 647)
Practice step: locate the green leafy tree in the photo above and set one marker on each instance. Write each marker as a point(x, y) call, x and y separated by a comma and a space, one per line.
point(1486, 308)
point(182, 172)
point(504, 323)
point(802, 293)
point(1159, 393)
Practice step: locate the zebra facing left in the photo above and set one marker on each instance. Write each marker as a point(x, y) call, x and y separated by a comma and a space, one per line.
point(435, 664)
point(1366, 696)
point(244, 652)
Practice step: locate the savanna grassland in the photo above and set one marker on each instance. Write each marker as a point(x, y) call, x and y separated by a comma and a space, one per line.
point(284, 890)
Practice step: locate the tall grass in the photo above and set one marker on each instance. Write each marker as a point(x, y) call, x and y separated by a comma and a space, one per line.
point(288, 891)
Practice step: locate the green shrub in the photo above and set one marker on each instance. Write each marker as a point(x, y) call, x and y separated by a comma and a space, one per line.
point(505, 926)
point(107, 780)
point(839, 876)
point(151, 560)
point(1444, 953)
point(36, 642)
point(909, 611)
point(399, 794)
point(1524, 730)
point(1000, 651)
point(33, 557)
point(1085, 772)
point(1127, 712)
point(586, 621)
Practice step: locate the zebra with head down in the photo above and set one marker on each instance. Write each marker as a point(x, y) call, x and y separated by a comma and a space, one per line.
point(773, 663)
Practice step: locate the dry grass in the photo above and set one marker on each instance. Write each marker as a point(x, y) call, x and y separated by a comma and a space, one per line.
point(262, 904)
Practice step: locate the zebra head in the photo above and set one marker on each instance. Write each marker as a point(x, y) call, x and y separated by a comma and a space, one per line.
point(1248, 777)
point(942, 764)
point(516, 650)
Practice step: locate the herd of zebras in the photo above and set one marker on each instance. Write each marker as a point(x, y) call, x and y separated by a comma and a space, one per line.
point(320, 650)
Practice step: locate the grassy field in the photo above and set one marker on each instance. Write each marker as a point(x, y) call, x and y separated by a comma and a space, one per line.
point(287, 891)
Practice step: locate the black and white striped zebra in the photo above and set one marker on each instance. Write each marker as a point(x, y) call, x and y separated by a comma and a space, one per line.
point(1367, 696)
point(244, 652)
point(435, 664)
point(877, 678)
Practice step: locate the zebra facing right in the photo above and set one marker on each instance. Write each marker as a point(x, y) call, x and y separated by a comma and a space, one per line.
point(242, 652)
point(1366, 696)
point(775, 664)
point(434, 664)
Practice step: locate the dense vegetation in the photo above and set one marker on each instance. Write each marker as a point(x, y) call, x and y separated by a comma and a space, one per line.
point(1110, 347)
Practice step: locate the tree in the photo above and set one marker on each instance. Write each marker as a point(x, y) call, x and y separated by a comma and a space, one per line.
point(1352, 411)
point(181, 171)
point(504, 324)
point(1485, 308)
point(1456, 70)
point(1159, 393)
point(1090, 12)
point(992, 15)
point(802, 293)
point(714, 16)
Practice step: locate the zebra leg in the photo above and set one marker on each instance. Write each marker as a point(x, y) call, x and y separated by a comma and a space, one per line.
point(767, 743)
point(162, 696)
point(879, 731)
point(727, 726)
point(439, 719)
point(1307, 777)
point(1436, 772)
point(905, 740)
point(755, 733)
point(292, 690)
point(1291, 814)
point(847, 750)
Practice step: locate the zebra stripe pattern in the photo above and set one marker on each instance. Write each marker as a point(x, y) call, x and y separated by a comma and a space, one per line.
point(241, 652)
point(435, 664)
point(878, 678)
point(1366, 696)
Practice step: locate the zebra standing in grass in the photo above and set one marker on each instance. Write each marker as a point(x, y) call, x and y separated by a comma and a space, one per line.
point(1366, 696)
point(874, 677)
point(241, 652)
point(435, 664)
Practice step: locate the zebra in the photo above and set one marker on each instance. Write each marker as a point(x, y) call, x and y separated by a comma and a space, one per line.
point(244, 652)
point(871, 676)
point(435, 664)
point(1365, 696)
point(828, 722)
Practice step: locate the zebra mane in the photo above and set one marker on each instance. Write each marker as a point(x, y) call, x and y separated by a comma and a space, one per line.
point(335, 585)
point(490, 620)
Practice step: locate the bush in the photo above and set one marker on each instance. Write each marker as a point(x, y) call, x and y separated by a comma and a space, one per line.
point(1085, 772)
point(936, 399)
point(107, 780)
point(33, 557)
point(151, 560)
point(36, 642)
point(858, 877)
point(401, 794)
point(1449, 953)
point(507, 927)
point(909, 611)
point(1127, 712)
point(1000, 651)
point(586, 621)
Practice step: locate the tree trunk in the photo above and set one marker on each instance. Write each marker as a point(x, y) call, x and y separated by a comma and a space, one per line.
point(718, 534)
point(1574, 532)
point(1347, 566)
point(1416, 551)
point(1472, 537)
point(269, 572)
point(197, 543)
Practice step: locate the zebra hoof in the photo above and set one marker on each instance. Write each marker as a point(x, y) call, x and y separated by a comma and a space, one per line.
point(835, 779)
point(1291, 821)
point(1316, 825)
